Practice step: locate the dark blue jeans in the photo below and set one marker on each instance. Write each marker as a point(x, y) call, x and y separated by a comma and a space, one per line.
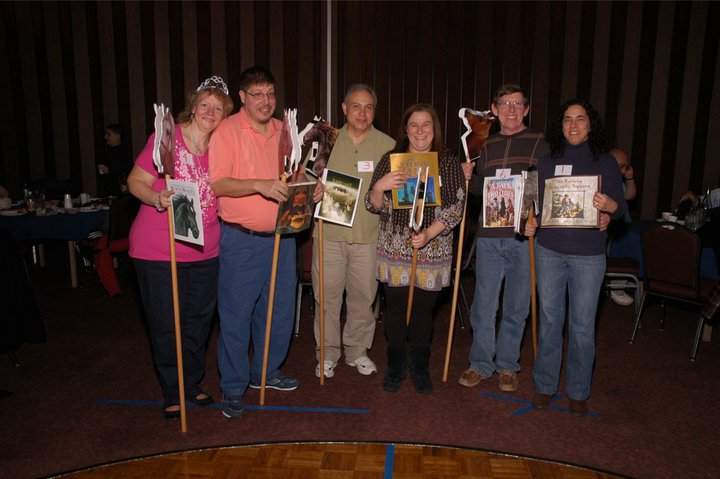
point(197, 294)
point(244, 290)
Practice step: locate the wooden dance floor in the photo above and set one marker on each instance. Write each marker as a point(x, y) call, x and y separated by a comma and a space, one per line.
point(337, 461)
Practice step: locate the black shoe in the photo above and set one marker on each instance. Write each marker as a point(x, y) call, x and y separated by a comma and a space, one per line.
point(171, 415)
point(205, 401)
point(419, 372)
point(422, 383)
point(232, 407)
point(395, 374)
point(392, 382)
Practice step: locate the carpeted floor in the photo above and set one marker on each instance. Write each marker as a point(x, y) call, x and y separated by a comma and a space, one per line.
point(90, 395)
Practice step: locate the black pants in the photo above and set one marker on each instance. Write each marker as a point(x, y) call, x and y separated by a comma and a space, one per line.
point(419, 331)
point(197, 294)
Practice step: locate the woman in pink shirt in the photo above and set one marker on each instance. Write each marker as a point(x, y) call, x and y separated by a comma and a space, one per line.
point(197, 266)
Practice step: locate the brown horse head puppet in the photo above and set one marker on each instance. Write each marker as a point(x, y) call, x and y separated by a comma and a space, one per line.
point(478, 128)
point(321, 133)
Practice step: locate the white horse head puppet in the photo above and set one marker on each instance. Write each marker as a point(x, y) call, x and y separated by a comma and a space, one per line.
point(164, 144)
point(289, 151)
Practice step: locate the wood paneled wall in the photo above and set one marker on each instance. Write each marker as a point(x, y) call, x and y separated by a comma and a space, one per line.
point(650, 68)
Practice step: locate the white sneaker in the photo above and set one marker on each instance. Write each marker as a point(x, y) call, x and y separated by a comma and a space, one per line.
point(364, 365)
point(621, 297)
point(329, 369)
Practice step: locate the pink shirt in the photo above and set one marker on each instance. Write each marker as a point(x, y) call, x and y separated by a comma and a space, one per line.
point(149, 238)
point(239, 151)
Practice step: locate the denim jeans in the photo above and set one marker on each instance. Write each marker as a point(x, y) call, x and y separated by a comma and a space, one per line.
point(243, 294)
point(581, 277)
point(498, 258)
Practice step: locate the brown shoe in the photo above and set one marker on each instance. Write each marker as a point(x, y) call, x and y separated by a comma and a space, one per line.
point(508, 381)
point(471, 378)
point(541, 401)
point(578, 407)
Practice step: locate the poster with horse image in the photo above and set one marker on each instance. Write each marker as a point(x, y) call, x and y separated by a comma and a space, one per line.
point(187, 212)
point(340, 199)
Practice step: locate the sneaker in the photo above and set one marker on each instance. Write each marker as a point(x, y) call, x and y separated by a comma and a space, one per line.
point(279, 382)
point(508, 381)
point(471, 378)
point(329, 369)
point(364, 365)
point(621, 297)
point(232, 407)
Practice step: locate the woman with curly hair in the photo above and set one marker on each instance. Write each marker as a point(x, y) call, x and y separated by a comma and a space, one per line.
point(419, 132)
point(572, 260)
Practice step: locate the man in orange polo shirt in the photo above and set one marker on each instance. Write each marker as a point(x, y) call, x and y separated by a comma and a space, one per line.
point(245, 175)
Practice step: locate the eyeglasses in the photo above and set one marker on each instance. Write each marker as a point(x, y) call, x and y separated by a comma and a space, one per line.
point(357, 107)
point(505, 105)
point(260, 95)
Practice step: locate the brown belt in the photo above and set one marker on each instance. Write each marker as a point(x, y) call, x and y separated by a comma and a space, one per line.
point(240, 227)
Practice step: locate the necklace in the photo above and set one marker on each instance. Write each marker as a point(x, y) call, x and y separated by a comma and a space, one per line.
point(191, 167)
point(198, 151)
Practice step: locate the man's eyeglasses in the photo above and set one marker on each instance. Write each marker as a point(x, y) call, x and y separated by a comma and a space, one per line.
point(260, 95)
point(357, 107)
point(505, 105)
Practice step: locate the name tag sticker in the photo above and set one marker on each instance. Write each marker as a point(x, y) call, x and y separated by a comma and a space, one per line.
point(366, 166)
point(563, 170)
point(502, 172)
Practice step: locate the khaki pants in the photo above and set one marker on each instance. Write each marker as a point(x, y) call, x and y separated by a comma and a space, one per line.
point(349, 268)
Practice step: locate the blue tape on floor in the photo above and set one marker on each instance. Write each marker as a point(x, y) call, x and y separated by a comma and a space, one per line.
point(304, 409)
point(528, 405)
point(389, 461)
point(121, 402)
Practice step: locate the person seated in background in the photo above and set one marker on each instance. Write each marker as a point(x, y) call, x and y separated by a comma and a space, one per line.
point(690, 199)
point(5, 201)
point(709, 229)
point(117, 165)
point(629, 186)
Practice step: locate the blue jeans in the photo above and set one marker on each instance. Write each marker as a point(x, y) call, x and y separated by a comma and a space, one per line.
point(582, 277)
point(498, 258)
point(243, 294)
